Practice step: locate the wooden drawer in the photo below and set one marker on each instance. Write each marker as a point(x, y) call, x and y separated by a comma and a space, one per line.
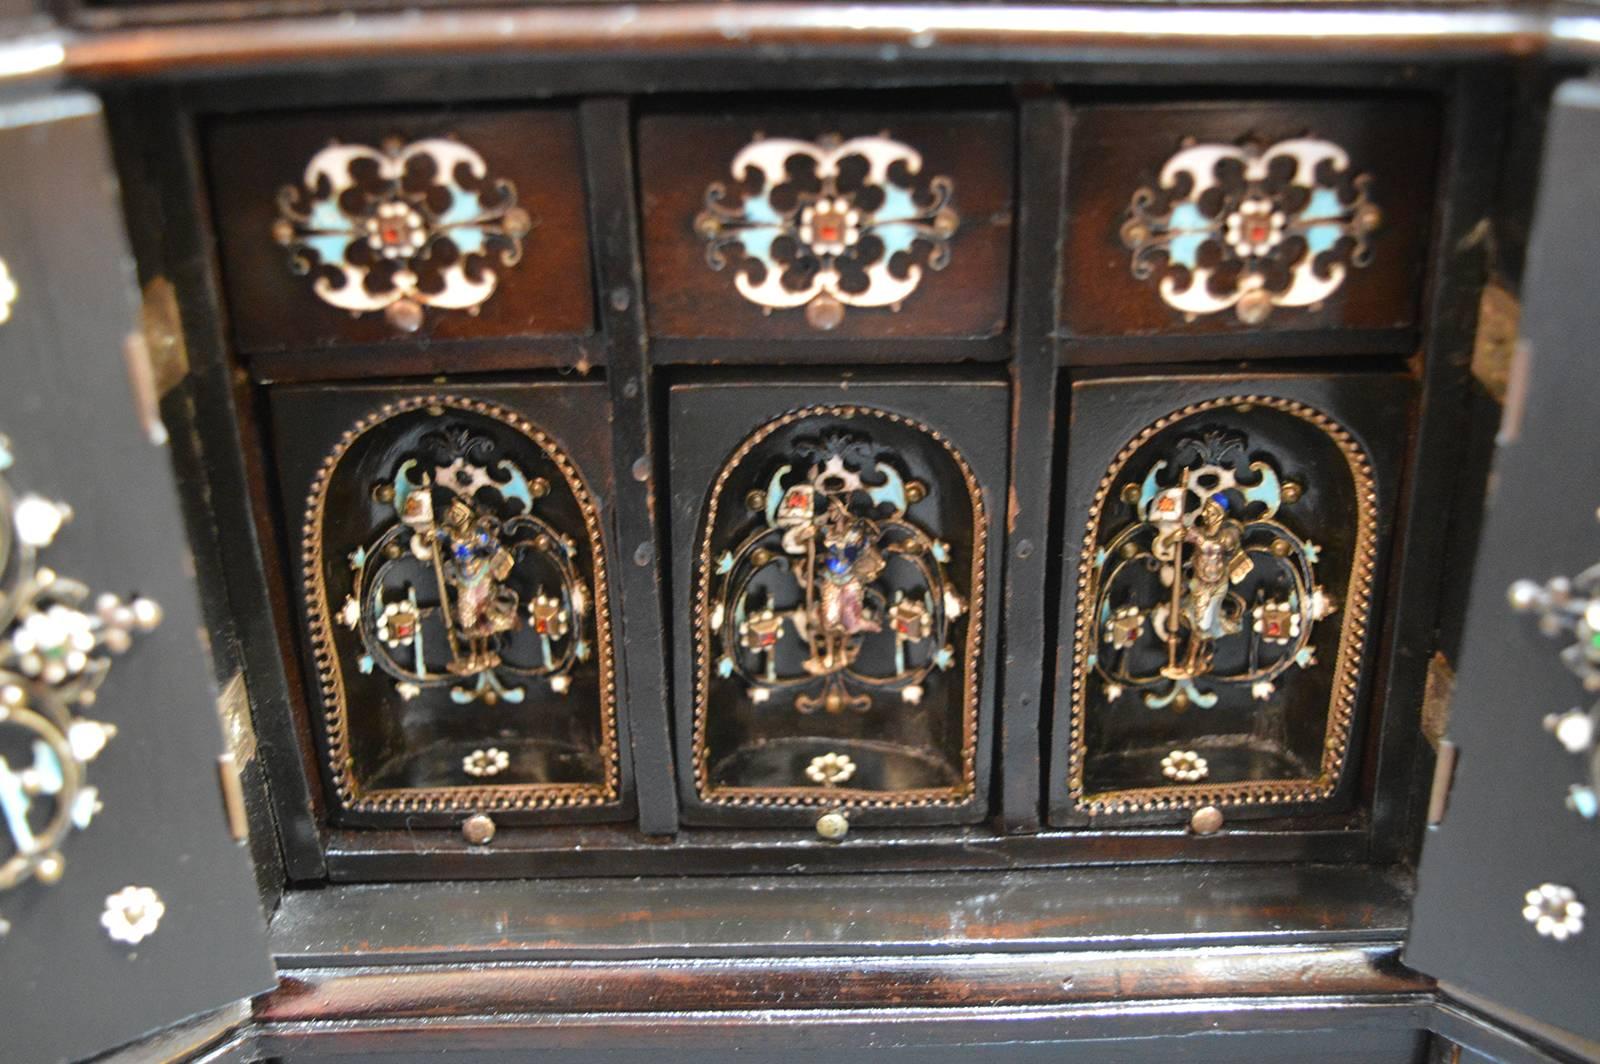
point(1274, 498)
point(834, 598)
point(360, 229)
point(1227, 218)
point(842, 225)
point(457, 613)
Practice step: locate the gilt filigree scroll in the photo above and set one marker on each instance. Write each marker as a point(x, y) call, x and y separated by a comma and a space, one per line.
point(478, 597)
point(401, 227)
point(828, 224)
point(1252, 227)
point(829, 597)
point(1218, 639)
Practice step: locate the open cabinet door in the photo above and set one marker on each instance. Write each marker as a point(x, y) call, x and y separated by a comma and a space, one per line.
point(1500, 917)
point(126, 902)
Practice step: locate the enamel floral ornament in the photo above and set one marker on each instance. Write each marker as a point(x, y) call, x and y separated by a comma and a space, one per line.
point(1251, 228)
point(400, 228)
point(828, 225)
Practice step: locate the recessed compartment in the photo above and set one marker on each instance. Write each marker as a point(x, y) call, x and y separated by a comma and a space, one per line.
point(1221, 565)
point(453, 590)
point(1230, 217)
point(343, 231)
point(833, 552)
point(808, 225)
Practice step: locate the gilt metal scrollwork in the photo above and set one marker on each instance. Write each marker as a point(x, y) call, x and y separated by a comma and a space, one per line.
point(463, 520)
point(1208, 527)
point(401, 227)
point(1251, 227)
point(833, 530)
point(1206, 595)
point(55, 654)
point(829, 224)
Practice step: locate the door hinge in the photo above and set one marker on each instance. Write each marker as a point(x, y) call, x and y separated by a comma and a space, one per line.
point(233, 708)
point(158, 358)
point(1444, 777)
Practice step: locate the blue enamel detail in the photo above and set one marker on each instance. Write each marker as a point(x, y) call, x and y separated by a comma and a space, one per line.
point(468, 239)
point(892, 491)
point(402, 484)
point(724, 666)
point(940, 551)
point(365, 664)
point(758, 210)
point(897, 206)
point(517, 487)
point(1268, 491)
point(896, 236)
point(725, 562)
point(774, 497)
point(1150, 489)
point(1203, 699)
point(1323, 205)
point(944, 658)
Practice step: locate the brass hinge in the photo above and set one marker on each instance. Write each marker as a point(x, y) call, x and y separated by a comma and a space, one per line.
point(157, 357)
point(233, 708)
point(1444, 776)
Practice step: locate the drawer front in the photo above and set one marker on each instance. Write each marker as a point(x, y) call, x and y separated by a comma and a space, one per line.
point(1234, 217)
point(1238, 686)
point(808, 225)
point(454, 598)
point(833, 559)
point(366, 229)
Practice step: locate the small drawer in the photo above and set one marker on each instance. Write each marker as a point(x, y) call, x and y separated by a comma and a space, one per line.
point(457, 621)
point(1225, 549)
point(362, 229)
point(1247, 217)
point(804, 225)
point(834, 562)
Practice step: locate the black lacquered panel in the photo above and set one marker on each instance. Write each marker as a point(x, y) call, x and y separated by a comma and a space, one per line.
point(455, 599)
point(835, 548)
point(1223, 552)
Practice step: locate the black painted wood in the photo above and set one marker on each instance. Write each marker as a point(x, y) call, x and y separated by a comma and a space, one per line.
point(70, 989)
point(1506, 829)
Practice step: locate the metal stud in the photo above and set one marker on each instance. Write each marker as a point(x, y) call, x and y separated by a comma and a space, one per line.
point(833, 825)
point(478, 829)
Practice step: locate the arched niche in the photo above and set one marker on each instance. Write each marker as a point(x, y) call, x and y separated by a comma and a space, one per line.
point(1224, 586)
point(456, 599)
point(838, 617)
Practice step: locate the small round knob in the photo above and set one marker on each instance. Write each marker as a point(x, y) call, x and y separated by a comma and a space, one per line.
point(478, 830)
point(833, 825)
point(1207, 820)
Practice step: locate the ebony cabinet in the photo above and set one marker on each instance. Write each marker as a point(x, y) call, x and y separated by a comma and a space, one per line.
point(726, 531)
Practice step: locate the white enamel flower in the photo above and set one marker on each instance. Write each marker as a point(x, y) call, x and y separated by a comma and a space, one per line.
point(55, 644)
point(132, 914)
point(831, 768)
point(830, 225)
point(487, 762)
point(395, 230)
point(8, 292)
point(1185, 766)
point(1254, 227)
point(1554, 911)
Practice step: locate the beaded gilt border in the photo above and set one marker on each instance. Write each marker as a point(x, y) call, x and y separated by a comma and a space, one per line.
point(1347, 666)
point(336, 717)
point(840, 796)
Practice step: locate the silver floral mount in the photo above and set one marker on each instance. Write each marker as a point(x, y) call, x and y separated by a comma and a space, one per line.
point(1569, 608)
point(827, 225)
point(1251, 228)
point(401, 227)
point(55, 653)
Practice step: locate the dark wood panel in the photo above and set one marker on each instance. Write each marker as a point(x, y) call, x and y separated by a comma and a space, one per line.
point(992, 981)
point(1119, 149)
point(932, 912)
point(549, 292)
point(682, 155)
